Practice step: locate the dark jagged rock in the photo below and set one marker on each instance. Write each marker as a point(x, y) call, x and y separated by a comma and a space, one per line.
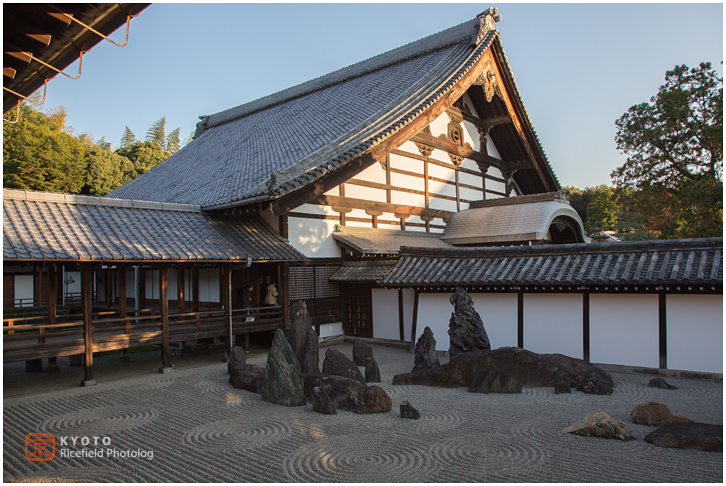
point(373, 374)
point(408, 412)
point(248, 377)
point(236, 358)
point(594, 384)
point(425, 357)
point(283, 382)
point(562, 388)
point(466, 329)
point(655, 413)
point(303, 339)
point(322, 400)
point(338, 364)
point(361, 352)
point(350, 394)
point(600, 425)
point(531, 368)
point(661, 383)
point(696, 435)
point(492, 381)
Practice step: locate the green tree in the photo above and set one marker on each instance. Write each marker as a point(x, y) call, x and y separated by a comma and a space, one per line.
point(143, 156)
point(39, 155)
point(189, 138)
point(157, 132)
point(579, 199)
point(674, 145)
point(602, 209)
point(106, 171)
point(128, 138)
point(173, 144)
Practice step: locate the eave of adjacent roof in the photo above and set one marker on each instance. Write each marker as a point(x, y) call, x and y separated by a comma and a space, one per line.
point(62, 227)
point(647, 263)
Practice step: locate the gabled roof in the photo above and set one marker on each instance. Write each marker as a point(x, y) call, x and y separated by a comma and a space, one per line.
point(512, 220)
point(379, 241)
point(275, 146)
point(644, 263)
point(45, 226)
point(367, 271)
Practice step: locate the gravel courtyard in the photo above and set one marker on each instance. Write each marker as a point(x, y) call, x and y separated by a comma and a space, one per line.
point(192, 426)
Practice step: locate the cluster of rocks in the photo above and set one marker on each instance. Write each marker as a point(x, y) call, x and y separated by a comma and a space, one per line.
point(673, 430)
point(292, 376)
point(473, 364)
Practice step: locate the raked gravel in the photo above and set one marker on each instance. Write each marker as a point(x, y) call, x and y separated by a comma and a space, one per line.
point(200, 429)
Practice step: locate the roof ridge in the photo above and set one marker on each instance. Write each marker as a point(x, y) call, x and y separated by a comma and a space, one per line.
point(75, 199)
point(445, 38)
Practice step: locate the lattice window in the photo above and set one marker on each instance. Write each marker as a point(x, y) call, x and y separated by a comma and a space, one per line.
point(322, 297)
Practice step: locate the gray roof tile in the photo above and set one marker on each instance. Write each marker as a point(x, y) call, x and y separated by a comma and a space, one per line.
point(667, 262)
point(42, 226)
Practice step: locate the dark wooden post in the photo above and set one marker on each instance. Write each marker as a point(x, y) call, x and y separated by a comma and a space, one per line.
point(180, 297)
point(122, 306)
point(400, 315)
point(141, 304)
point(586, 326)
point(52, 305)
point(225, 293)
point(520, 319)
point(109, 287)
point(87, 305)
point(415, 319)
point(284, 297)
point(662, 332)
point(164, 311)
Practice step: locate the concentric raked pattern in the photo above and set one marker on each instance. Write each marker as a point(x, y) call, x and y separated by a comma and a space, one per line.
point(200, 429)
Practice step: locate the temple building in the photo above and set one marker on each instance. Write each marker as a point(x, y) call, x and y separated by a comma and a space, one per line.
point(370, 193)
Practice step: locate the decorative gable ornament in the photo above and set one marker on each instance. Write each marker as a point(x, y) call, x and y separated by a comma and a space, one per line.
point(487, 22)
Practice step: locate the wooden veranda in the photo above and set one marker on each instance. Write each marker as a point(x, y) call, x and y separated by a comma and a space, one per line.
point(94, 325)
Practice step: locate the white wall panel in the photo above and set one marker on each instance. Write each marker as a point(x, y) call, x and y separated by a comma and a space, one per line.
point(313, 237)
point(374, 173)
point(434, 311)
point(209, 285)
point(499, 314)
point(624, 329)
point(407, 146)
point(330, 330)
point(443, 205)
point(407, 163)
point(404, 198)
point(385, 314)
point(553, 324)
point(471, 135)
point(694, 326)
point(492, 149)
point(440, 125)
point(24, 289)
point(366, 193)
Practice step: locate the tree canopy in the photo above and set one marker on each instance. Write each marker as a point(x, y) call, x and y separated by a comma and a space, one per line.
point(674, 148)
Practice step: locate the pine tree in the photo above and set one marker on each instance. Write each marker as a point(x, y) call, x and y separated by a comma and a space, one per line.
point(128, 138)
point(157, 133)
point(172, 141)
point(189, 138)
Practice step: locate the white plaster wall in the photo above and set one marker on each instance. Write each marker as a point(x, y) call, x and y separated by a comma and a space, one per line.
point(330, 330)
point(374, 173)
point(209, 285)
point(312, 237)
point(385, 314)
point(624, 329)
point(366, 193)
point(553, 324)
point(152, 284)
point(499, 314)
point(694, 328)
point(408, 295)
point(24, 289)
point(440, 126)
point(434, 311)
point(74, 285)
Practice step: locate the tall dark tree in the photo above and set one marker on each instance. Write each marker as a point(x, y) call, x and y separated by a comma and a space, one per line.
point(674, 145)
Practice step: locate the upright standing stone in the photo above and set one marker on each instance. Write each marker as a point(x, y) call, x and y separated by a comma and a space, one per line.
point(338, 364)
point(466, 329)
point(361, 352)
point(373, 373)
point(303, 339)
point(283, 383)
point(425, 357)
point(236, 358)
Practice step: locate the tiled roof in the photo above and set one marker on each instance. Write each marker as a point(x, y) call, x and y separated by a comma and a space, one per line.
point(365, 271)
point(45, 226)
point(377, 241)
point(307, 131)
point(684, 262)
point(510, 220)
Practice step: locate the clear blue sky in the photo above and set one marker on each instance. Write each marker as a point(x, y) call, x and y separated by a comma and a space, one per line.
point(578, 66)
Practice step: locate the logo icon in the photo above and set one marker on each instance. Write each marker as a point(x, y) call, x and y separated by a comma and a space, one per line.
point(40, 447)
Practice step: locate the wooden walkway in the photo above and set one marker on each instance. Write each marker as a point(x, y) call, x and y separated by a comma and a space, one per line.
point(32, 338)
